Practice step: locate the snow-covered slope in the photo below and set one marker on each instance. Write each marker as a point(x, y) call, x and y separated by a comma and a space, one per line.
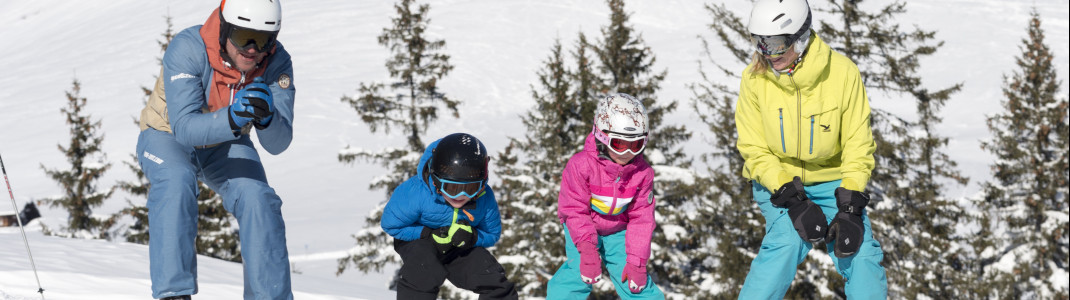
point(495, 46)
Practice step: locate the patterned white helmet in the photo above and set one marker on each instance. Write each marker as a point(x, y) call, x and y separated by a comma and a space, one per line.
point(619, 119)
point(777, 24)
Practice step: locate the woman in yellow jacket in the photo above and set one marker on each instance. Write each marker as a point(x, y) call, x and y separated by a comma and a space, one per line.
point(804, 134)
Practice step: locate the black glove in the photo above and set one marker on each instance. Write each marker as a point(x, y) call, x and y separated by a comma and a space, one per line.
point(806, 216)
point(439, 238)
point(846, 228)
point(465, 236)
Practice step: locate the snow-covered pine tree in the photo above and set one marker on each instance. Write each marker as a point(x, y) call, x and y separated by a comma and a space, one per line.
point(413, 103)
point(626, 65)
point(1028, 196)
point(532, 245)
point(735, 232)
point(87, 165)
point(913, 221)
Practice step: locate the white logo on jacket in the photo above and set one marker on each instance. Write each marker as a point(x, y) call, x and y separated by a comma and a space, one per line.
point(181, 76)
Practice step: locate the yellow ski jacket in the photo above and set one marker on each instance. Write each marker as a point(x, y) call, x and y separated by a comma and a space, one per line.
point(813, 123)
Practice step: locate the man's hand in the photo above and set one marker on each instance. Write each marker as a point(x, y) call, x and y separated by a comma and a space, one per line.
point(253, 103)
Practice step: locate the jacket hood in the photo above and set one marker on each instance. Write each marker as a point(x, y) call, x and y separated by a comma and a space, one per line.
point(815, 62)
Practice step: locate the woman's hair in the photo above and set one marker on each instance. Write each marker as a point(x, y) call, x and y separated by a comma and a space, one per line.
point(758, 63)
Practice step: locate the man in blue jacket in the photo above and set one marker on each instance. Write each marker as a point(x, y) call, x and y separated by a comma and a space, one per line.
point(219, 82)
point(443, 219)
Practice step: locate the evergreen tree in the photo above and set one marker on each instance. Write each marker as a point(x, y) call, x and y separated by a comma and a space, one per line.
point(88, 164)
point(732, 238)
point(1028, 196)
point(530, 169)
point(911, 218)
point(416, 65)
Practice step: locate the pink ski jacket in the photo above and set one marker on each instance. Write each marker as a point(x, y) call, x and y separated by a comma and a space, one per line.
point(601, 197)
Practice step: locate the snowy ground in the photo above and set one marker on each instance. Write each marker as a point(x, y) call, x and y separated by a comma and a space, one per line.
point(495, 46)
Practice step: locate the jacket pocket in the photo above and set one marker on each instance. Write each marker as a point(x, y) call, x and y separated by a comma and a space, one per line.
point(824, 133)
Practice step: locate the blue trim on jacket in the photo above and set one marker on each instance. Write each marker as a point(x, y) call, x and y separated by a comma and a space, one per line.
point(414, 205)
point(185, 61)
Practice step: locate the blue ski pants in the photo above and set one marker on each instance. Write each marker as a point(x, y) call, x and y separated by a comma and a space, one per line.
point(233, 170)
point(566, 283)
point(783, 250)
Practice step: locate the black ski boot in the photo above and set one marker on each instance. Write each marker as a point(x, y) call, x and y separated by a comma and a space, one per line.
point(183, 297)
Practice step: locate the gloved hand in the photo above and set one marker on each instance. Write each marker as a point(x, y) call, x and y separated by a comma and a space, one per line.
point(846, 228)
point(463, 235)
point(635, 276)
point(439, 237)
point(252, 103)
point(590, 262)
point(806, 216)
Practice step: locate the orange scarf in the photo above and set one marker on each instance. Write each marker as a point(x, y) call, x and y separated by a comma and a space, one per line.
point(224, 76)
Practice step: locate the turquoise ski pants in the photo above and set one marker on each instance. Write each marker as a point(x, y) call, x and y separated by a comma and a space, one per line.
point(566, 283)
point(783, 250)
point(233, 170)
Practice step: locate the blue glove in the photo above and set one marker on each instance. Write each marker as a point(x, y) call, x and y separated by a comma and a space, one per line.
point(252, 104)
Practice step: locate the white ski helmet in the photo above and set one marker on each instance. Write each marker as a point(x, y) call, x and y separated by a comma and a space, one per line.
point(786, 21)
point(250, 21)
point(263, 15)
point(620, 115)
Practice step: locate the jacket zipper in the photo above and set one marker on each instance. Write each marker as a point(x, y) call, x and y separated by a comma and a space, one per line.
point(798, 102)
point(782, 145)
point(616, 186)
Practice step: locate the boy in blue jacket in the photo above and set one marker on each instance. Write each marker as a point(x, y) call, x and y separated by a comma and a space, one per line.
point(443, 219)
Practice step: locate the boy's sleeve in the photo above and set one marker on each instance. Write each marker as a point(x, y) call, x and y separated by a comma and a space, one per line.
point(573, 203)
point(400, 218)
point(490, 230)
point(641, 223)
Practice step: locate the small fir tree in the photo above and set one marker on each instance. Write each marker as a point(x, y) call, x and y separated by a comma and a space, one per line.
point(414, 103)
point(1028, 196)
point(88, 164)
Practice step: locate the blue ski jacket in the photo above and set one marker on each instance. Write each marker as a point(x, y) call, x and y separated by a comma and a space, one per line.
point(415, 205)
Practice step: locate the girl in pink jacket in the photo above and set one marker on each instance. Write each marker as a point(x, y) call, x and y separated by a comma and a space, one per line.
point(607, 206)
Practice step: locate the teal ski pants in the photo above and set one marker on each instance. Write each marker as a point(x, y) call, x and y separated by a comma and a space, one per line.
point(566, 283)
point(233, 170)
point(783, 250)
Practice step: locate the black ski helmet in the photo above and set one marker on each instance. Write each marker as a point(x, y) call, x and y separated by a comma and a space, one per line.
point(459, 157)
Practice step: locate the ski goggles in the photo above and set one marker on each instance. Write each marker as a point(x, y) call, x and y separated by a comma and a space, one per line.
point(624, 144)
point(243, 39)
point(773, 46)
point(454, 189)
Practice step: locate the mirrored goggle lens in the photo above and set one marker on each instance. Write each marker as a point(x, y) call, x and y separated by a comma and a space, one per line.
point(771, 45)
point(623, 144)
point(454, 189)
point(246, 38)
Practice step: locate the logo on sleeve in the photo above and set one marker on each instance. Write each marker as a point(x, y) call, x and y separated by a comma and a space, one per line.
point(284, 81)
point(181, 76)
